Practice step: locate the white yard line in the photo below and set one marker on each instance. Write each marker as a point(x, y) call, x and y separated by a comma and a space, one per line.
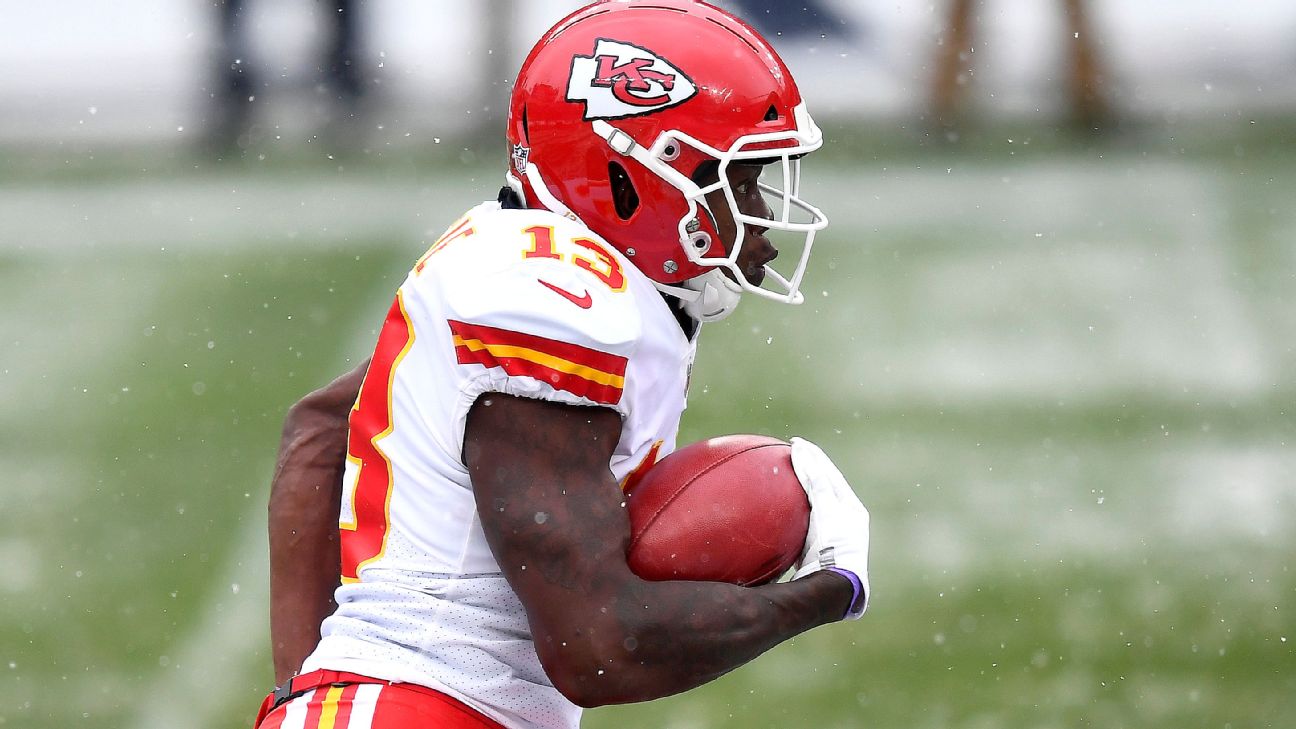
point(208, 670)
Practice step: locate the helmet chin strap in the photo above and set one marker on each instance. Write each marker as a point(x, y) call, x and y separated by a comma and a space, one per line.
point(707, 298)
point(514, 184)
point(544, 197)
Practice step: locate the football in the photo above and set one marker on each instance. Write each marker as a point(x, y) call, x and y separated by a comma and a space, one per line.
point(727, 509)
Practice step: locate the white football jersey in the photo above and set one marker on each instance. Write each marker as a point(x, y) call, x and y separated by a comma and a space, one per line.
point(522, 302)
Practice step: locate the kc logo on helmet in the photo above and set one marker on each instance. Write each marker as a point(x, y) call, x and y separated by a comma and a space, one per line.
point(622, 80)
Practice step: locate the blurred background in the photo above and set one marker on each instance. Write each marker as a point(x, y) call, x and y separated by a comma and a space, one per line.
point(1049, 338)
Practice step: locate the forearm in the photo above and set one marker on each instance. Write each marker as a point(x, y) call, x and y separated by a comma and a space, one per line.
point(701, 630)
point(304, 560)
point(606, 636)
point(303, 519)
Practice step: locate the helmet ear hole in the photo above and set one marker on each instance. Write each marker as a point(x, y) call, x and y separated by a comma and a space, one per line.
point(624, 197)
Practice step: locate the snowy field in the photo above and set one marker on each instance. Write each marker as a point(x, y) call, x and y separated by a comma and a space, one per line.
point(1061, 380)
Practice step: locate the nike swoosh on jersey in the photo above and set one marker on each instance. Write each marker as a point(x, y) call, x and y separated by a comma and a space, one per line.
point(584, 302)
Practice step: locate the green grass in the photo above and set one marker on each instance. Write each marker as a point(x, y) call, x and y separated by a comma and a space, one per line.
point(149, 443)
point(1060, 378)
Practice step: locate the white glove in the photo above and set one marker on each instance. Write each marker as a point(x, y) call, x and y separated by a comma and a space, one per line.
point(839, 523)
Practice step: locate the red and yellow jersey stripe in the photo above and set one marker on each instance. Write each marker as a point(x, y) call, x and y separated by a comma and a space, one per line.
point(364, 538)
point(581, 371)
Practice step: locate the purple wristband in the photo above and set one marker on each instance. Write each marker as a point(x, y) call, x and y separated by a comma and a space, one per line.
point(856, 586)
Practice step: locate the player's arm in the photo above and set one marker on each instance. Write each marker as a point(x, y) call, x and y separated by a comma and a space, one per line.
point(555, 520)
point(304, 500)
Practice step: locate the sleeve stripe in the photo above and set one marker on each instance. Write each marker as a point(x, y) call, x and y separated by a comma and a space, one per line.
point(592, 358)
point(584, 372)
point(558, 364)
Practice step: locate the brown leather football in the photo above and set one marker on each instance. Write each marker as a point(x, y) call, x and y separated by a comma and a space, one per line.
point(727, 509)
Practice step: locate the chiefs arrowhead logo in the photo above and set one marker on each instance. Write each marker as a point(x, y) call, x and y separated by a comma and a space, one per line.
point(622, 80)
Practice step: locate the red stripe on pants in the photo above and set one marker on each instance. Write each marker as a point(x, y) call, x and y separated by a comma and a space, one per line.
point(315, 708)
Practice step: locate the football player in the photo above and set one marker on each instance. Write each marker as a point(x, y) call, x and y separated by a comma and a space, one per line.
point(534, 358)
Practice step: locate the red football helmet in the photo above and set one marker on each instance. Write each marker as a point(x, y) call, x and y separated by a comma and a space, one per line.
point(648, 91)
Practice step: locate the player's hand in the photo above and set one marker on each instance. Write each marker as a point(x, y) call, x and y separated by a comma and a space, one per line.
point(839, 524)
